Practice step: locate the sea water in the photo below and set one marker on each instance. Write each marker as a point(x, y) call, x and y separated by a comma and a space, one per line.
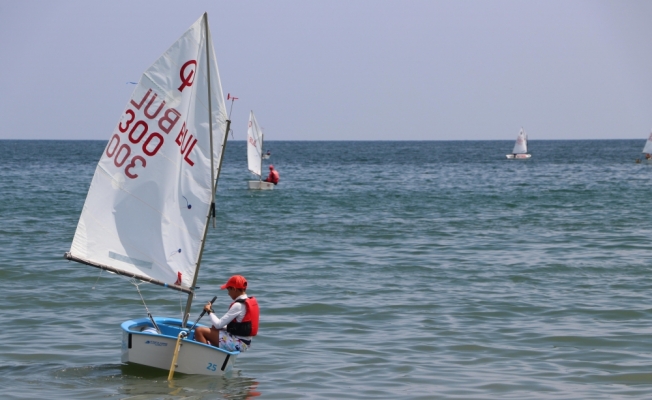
point(413, 270)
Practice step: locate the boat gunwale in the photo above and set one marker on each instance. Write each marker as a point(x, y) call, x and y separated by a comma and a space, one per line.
point(172, 322)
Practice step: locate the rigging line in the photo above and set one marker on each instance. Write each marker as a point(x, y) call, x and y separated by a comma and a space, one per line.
point(180, 305)
point(98, 278)
point(149, 315)
point(133, 282)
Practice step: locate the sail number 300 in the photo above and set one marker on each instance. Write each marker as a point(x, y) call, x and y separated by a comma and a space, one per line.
point(121, 152)
point(120, 149)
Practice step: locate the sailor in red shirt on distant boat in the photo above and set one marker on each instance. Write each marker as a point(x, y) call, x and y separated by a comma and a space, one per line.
point(234, 331)
point(273, 176)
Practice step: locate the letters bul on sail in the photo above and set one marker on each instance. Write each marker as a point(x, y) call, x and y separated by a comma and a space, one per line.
point(150, 200)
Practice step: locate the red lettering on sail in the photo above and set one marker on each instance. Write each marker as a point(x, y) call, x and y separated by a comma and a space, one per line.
point(186, 144)
point(124, 154)
point(114, 139)
point(139, 105)
point(187, 78)
point(132, 159)
point(128, 122)
point(186, 157)
point(158, 110)
point(131, 165)
point(169, 121)
point(182, 135)
point(135, 139)
point(159, 142)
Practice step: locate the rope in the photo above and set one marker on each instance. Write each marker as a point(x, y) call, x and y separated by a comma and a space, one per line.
point(136, 284)
point(133, 282)
point(149, 315)
point(98, 278)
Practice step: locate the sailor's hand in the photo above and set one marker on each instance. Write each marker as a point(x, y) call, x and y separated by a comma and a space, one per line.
point(207, 307)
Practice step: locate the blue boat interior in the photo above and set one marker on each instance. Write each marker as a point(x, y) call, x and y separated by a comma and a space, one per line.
point(169, 327)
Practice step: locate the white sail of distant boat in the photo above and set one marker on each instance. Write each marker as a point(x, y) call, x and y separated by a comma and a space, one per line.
point(149, 204)
point(254, 146)
point(255, 155)
point(648, 145)
point(520, 147)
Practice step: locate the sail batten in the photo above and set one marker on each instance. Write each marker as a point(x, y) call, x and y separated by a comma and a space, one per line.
point(146, 211)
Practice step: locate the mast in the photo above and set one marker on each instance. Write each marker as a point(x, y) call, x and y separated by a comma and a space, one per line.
point(211, 210)
point(260, 178)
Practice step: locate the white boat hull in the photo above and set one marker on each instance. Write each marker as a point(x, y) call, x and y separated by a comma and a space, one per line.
point(260, 185)
point(518, 156)
point(156, 350)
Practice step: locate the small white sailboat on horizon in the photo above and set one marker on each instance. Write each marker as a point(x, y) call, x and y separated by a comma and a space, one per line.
point(148, 208)
point(647, 149)
point(255, 155)
point(520, 148)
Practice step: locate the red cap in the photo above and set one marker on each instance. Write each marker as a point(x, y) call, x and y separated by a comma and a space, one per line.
point(236, 281)
point(271, 166)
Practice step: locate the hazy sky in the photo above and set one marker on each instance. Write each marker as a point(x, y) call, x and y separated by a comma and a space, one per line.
point(343, 70)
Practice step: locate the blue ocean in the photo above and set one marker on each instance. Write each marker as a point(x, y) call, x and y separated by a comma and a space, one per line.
point(384, 270)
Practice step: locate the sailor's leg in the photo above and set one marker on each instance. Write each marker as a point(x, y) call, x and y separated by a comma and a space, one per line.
point(205, 335)
point(200, 334)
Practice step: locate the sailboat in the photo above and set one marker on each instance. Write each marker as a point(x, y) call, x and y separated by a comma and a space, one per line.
point(647, 149)
point(255, 154)
point(149, 204)
point(520, 147)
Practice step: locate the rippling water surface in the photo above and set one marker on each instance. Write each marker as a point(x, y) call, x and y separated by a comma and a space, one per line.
point(383, 269)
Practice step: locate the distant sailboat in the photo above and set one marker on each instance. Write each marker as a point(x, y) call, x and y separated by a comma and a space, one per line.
point(255, 155)
point(520, 147)
point(647, 149)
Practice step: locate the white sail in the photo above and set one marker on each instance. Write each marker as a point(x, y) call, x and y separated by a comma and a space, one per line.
point(148, 203)
point(254, 146)
point(520, 147)
point(648, 145)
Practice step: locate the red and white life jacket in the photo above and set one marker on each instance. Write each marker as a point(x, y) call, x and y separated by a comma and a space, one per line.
point(249, 324)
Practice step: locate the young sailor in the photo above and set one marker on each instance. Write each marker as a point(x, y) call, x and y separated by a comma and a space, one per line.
point(232, 332)
point(273, 176)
